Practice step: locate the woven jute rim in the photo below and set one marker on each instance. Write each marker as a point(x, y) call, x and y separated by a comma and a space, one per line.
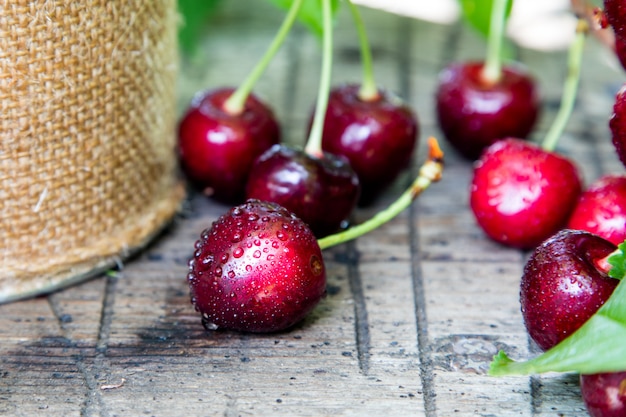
point(87, 133)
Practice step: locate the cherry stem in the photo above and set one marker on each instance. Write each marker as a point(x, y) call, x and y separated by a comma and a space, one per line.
point(570, 89)
point(430, 172)
point(368, 90)
point(314, 142)
point(235, 104)
point(492, 70)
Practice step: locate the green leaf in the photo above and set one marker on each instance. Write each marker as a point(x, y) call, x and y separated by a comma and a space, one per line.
point(195, 15)
point(478, 14)
point(617, 260)
point(597, 346)
point(310, 14)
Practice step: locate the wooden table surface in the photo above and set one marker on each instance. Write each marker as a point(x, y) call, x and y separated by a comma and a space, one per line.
point(415, 310)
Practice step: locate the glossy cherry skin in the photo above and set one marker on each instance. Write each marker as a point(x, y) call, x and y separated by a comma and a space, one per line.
point(258, 268)
point(601, 209)
point(563, 284)
point(473, 114)
point(217, 149)
point(604, 394)
point(378, 136)
point(323, 191)
point(615, 14)
point(617, 124)
point(521, 194)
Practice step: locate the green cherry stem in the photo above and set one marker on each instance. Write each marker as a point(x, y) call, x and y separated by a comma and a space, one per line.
point(368, 90)
point(314, 142)
point(430, 172)
point(236, 102)
point(570, 89)
point(492, 71)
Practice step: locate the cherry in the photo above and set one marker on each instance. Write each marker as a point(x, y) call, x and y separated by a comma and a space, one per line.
point(615, 14)
point(601, 209)
point(604, 394)
point(377, 135)
point(473, 112)
point(321, 191)
point(478, 103)
point(565, 281)
point(617, 124)
point(257, 269)
point(217, 148)
point(521, 194)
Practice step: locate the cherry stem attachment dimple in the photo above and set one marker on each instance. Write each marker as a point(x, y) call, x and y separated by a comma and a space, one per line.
point(313, 145)
point(570, 89)
point(430, 172)
point(235, 104)
point(492, 70)
point(615, 263)
point(368, 90)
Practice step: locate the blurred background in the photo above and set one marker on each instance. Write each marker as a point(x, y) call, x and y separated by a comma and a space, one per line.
point(535, 24)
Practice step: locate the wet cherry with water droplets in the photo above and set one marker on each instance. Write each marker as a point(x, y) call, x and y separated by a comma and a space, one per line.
point(563, 284)
point(522, 194)
point(273, 291)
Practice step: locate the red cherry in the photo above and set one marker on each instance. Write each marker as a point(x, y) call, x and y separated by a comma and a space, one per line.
point(604, 394)
point(473, 113)
point(217, 149)
point(258, 268)
point(522, 194)
point(615, 14)
point(564, 283)
point(601, 209)
point(321, 191)
point(377, 136)
point(617, 124)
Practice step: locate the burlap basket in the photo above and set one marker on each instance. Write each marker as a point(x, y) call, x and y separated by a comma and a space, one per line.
point(87, 164)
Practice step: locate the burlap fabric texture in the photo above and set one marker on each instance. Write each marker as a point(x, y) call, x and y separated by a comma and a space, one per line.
point(87, 163)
